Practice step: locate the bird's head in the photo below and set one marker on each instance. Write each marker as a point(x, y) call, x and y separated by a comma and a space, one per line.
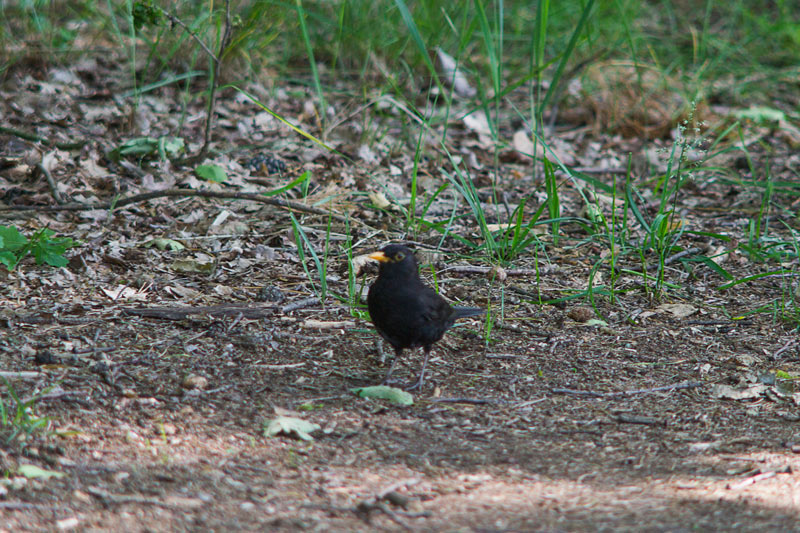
point(394, 254)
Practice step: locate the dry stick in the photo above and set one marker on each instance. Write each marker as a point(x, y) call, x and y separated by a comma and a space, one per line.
point(751, 480)
point(299, 304)
point(37, 139)
point(597, 170)
point(108, 498)
point(687, 385)
point(181, 193)
point(15, 506)
point(21, 375)
point(624, 418)
point(175, 20)
point(675, 257)
point(217, 60)
point(467, 269)
point(212, 97)
point(51, 183)
point(784, 348)
point(474, 401)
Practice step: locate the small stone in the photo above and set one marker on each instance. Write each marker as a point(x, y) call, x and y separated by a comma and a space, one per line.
point(67, 523)
point(396, 499)
point(81, 496)
point(581, 314)
point(194, 381)
point(497, 273)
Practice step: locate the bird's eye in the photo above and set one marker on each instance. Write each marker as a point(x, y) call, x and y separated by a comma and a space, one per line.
point(399, 256)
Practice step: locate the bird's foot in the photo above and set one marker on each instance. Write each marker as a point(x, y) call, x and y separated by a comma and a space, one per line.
point(415, 386)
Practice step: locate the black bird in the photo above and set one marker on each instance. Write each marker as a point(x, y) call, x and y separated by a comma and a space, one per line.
point(406, 312)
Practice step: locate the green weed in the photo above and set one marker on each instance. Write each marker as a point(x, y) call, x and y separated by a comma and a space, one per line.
point(16, 415)
point(42, 245)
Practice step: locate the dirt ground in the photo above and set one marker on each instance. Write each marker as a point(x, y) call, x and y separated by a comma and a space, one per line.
point(158, 380)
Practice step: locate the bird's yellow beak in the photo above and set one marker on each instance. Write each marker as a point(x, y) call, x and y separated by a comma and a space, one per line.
point(380, 257)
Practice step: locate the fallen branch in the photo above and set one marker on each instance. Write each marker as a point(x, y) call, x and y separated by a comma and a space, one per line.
point(16, 506)
point(37, 139)
point(21, 375)
point(595, 394)
point(624, 418)
point(675, 257)
point(180, 193)
point(784, 348)
point(51, 183)
point(754, 479)
point(299, 304)
point(474, 401)
point(469, 269)
point(181, 313)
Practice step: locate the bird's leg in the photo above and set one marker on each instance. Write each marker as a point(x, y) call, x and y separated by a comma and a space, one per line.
point(396, 357)
point(421, 379)
point(381, 354)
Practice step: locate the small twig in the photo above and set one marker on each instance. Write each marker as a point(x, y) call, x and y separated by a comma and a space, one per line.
point(35, 138)
point(675, 257)
point(337, 324)
point(596, 170)
point(214, 391)
point(108, 497)
point(21, 375)
point(250, 312)
point(525, 292)
point(324, 399)
point(475, 401)
point(175, 20)
point(23, 505)
point(784, 348)
point(687, 385)
point(279, 367)
point(212, 97)
point(236, 320)
point(398, 485)
point(299, 304)
point(56, 395)
point(624, 418)
point(94, 350)
point(181, 193)
point(51, 183)
point(751, 480)
point(393, 516)
point(469, 269)
point(528, 403)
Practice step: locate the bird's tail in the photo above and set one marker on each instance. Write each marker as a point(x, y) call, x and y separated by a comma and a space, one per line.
point(462, 312)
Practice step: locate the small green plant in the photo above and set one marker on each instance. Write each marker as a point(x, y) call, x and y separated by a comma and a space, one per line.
point(212, 173)
point(302, 242)
point(354, 290)
point(14, 247)
point(501, 242)
point(18, 418)
point(147, 147)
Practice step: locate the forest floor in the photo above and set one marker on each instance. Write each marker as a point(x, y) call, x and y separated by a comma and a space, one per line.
point(662, 409)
